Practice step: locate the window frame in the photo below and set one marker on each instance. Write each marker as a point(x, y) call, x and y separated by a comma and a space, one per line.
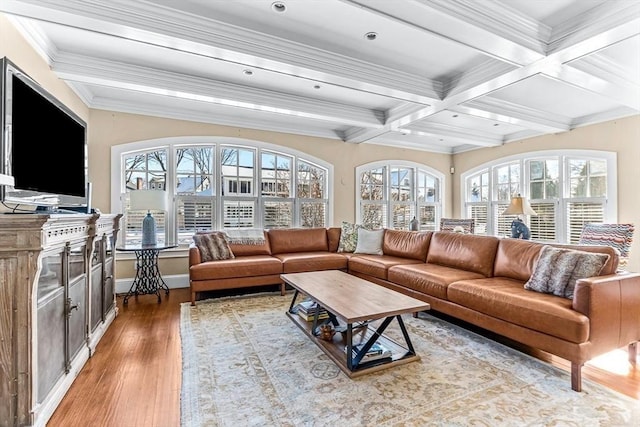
point(564, 198)
point(388, 203)
point(172, 144)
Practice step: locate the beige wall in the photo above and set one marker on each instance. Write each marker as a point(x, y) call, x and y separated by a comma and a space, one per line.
point(621, 136)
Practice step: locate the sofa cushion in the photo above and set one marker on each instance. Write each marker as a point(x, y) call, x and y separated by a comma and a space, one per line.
point(348, 237)
point(376, 265)
point(557, 270)
point(299, 262)
point(506, 299)
point(369, 242)
point(430, 279)
point(247, 266)
point(516, 258)
point(463, 251)
point(284, 241)
point(406, 244)
point(333, 236)
point(212, 246)
point(246, 250)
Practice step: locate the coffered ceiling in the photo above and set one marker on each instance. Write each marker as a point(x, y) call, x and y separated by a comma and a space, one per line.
point(435, 75)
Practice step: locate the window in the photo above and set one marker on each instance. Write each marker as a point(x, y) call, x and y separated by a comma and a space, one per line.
point(390, 194)
point(144, 171)
point(217, 183)
point(565, 188)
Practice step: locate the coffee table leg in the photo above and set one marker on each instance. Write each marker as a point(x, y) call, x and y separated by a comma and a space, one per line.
point(293, 301)
point(349, 338)
point(405, 334)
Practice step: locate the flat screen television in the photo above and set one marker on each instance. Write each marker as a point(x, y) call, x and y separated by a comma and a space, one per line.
point(44, 146)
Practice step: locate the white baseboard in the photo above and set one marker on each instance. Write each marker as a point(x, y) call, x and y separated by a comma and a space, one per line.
point(173, 282)
point(43, 411)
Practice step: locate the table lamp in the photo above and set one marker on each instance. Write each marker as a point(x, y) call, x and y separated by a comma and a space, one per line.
point(519, 206)
point(149, 200)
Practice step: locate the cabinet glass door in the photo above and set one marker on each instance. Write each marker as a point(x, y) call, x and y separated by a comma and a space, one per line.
point(76, 300)
point(97, 289)
point(109, 281)
point(51, 320)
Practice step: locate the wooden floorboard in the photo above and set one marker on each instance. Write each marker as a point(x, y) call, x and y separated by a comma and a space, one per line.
point(134, 377)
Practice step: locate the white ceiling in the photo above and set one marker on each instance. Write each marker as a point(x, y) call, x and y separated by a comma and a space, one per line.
point(442, 75)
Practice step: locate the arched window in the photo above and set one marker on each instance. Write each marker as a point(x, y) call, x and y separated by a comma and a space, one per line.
point(218, 183)
point(389, 194)
point(566, 189)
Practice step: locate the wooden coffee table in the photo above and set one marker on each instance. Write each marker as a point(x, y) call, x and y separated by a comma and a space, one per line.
point(354, 306)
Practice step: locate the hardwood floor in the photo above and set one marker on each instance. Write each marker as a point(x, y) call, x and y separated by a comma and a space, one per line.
point(134, 377)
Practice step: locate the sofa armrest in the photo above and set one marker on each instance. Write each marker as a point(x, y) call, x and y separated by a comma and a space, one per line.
point(194, 255)
point(612, 304)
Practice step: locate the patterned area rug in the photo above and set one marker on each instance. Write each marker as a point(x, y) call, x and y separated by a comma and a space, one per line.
point(246, 364)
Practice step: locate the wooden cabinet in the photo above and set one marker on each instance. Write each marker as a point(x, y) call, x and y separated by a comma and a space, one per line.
point(56, 301)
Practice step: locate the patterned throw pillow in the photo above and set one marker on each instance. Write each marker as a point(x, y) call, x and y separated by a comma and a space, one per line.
point(348, 237)
point(213, 246)
point(558, 269)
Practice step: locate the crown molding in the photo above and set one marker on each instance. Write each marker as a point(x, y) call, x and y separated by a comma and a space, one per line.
point(36, 38)
point(591, 119)
point(231, 119)
point(508, 112)
point(402, 110)
point(605, 68)
point(419, 145)
point(594, 30)
point(593, 22)
point(498, 18)
point(480, 73)
point(103, 72)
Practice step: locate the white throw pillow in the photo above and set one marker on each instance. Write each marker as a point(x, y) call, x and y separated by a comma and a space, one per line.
point(369, 241)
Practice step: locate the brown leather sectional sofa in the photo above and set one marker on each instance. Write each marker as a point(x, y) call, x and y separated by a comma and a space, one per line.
point(478, 279)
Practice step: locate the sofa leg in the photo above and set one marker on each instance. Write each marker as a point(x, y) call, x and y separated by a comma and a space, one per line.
point(193, 298)
point(633, 352)
point(576, 376)
point(282, 288)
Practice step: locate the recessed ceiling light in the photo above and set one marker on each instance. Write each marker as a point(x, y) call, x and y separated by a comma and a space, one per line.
point(247, 72)
point(455, 115)
point(496, 124)
point(371, 36)
point(316, 86)
point(279, 7)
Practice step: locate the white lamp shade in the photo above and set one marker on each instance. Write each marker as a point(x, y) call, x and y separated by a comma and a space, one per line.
point(148, 200)
point(519, 206)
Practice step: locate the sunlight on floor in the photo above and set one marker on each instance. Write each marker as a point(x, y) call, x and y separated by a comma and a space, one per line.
point(615, 362)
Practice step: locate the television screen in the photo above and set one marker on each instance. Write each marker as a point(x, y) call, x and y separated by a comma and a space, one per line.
point(43, 145)
point(47, 145)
